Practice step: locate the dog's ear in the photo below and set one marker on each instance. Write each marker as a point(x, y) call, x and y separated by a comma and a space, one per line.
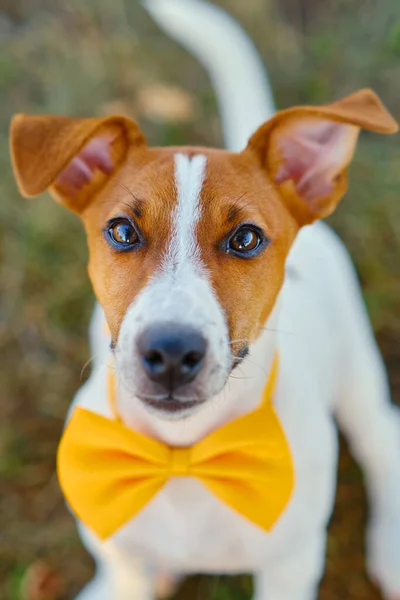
point(306, 150)
point(73, 158)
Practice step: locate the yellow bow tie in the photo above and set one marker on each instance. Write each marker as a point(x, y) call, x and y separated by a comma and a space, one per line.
point(109, 472)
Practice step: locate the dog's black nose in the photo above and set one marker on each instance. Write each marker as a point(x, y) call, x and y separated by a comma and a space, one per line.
point(172, 355)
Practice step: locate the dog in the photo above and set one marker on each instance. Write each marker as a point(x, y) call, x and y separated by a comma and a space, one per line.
point(207, 264)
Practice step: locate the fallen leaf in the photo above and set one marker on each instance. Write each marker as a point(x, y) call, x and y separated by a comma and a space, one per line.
point(40, 582)
point(160, 102)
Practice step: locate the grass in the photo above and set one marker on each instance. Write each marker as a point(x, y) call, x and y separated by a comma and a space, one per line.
point(91, 57)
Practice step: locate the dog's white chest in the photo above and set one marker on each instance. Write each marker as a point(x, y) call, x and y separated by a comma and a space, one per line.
point(186, 528)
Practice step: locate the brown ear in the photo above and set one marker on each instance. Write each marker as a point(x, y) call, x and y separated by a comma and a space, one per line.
point(71, 157)
point(306, 150)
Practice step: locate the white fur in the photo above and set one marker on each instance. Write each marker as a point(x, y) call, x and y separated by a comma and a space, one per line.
point(330, 366)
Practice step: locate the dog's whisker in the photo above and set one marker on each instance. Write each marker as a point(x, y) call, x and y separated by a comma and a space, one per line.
point(118, 201)
point(252, 362)
point(90, 360)
point(87, 363)
point(271, 329)
point(124, 384)
point(240, 369)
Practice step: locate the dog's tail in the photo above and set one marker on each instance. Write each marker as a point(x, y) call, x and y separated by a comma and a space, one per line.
point(218, 42)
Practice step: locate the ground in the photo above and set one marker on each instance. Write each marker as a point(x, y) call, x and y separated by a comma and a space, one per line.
point(89, 58)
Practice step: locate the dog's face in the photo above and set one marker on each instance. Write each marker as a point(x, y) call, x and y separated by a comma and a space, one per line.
point(187, 252)
point(188, 245)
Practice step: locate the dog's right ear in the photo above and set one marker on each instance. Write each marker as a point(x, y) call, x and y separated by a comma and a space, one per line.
point(73, 158)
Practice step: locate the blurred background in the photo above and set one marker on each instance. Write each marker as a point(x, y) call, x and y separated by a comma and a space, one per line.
point(98, 57)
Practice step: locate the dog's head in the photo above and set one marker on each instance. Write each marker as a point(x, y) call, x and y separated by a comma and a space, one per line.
point(188, 245)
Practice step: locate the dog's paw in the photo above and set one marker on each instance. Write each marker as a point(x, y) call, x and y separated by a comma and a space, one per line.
point(166, 585)
point(383, 556)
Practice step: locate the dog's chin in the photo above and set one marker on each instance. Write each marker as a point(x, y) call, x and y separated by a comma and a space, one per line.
point(171, 408)
point(180, 404)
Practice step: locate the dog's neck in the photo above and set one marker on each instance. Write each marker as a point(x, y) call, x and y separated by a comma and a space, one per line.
point(241, 394)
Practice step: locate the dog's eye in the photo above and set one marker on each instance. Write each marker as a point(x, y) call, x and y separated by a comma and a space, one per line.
point(123, 234)
point(245, 240)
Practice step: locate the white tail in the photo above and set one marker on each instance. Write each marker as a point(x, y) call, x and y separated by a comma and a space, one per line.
point(218, 42)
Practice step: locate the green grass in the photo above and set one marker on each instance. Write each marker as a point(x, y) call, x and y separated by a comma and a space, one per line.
point(87, 57)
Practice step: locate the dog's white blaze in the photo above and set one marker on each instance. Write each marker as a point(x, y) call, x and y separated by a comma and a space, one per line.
point(189, 179)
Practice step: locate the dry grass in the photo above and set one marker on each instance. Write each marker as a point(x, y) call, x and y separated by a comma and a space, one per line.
point(89, 57)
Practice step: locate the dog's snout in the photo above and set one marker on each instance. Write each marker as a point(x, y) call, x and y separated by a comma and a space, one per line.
point(172, 355)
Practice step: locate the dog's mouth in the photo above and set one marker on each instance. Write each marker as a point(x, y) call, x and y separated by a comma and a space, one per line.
point(170, 404)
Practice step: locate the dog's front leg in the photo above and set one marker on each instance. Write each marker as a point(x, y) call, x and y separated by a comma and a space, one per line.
point(118, 576)
point(372, 425)
point(119, 580)
point(296, 575)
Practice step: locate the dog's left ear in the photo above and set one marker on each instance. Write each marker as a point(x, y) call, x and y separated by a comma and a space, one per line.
point(306, 150)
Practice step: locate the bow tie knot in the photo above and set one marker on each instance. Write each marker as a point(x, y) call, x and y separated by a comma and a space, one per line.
point(179, 461)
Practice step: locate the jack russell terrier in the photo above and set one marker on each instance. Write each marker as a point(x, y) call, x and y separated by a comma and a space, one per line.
point(238, 335)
